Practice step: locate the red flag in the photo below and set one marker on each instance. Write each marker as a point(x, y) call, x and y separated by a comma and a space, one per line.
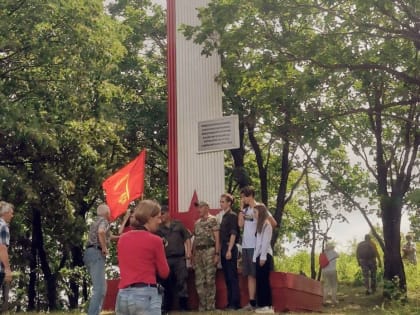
point(125, 185)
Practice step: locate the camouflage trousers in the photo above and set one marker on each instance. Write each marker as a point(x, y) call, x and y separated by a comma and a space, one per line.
point(205, 278)
point(369, 274)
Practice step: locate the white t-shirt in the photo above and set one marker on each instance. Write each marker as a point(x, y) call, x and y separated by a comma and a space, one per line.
point(250, 227)
point(219, 216)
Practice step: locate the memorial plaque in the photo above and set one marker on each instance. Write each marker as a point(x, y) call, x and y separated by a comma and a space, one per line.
point(218, 134)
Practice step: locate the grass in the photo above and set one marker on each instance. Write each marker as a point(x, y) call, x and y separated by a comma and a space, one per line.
point(352, 301)
point(351, 293)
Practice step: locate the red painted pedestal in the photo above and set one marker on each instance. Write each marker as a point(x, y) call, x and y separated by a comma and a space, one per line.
point(221, 291)
point(292, 292)
point(111, 294)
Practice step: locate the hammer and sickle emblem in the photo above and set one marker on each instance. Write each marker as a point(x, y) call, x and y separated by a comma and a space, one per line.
point(124, 197)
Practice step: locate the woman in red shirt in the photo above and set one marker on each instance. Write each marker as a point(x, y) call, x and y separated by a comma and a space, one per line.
point(141, 256)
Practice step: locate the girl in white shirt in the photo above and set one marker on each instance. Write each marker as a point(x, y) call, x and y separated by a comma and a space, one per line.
point(263, 258)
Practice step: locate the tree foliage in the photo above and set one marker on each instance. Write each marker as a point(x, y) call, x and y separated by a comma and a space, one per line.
point(337, 80)
point(327, 93)
point(70, 115)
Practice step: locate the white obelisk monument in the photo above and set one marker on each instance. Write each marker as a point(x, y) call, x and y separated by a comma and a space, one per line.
point(194, 97)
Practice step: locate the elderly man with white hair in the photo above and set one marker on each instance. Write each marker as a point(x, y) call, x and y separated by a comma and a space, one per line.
point(329, 274)
point(95, 256)
point(6, 215)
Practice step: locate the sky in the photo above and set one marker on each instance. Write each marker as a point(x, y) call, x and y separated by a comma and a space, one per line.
point(344, 234)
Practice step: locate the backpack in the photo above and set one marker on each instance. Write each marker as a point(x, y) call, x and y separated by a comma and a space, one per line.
point(323, 260)
point(366, 251)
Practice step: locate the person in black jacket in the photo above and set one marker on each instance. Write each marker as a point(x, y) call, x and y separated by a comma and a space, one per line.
point(229, 235)
point(177, 241)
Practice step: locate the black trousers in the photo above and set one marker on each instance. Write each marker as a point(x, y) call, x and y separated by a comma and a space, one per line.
point(263, 282)
point(230, 271)
point(176, 283)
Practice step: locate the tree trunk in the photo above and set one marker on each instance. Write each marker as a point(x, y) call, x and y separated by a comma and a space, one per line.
point(284, 177)
point(32, 277)
point(282, 191)
point(73, 296)
point(391, 220)
point(262, 169)
point(313, 224)
point(391, 203)
point(49, 278)
point(239, 173)
point(85, 290)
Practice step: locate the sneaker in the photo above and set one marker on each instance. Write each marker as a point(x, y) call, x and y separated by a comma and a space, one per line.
point(264, 310)
point(247, 307)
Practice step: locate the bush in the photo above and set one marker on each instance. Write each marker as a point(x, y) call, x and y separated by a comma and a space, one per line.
point(348, 269)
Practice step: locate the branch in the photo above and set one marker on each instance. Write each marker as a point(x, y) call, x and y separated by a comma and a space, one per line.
point(347, 196)
point(367, 66)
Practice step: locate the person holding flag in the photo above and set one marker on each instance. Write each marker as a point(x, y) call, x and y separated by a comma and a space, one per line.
point(95, 257)
point(121, 188)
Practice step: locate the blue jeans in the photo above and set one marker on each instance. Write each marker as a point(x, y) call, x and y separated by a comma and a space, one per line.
point(136, 301)
point(95, 263)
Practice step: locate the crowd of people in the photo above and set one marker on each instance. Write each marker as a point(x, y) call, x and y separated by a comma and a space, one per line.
point(154, 253)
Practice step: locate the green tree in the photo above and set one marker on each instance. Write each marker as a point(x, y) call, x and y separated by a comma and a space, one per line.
point(360, 58)
point(142, 77)
point(56, 59)
point(81, 93)
point(263, 88)
point(376, 113)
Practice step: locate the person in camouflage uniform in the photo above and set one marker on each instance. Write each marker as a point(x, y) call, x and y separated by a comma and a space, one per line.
point(206, 251)
point(367, 254)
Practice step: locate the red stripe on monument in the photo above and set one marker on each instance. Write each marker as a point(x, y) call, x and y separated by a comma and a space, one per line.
point(172, 108)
